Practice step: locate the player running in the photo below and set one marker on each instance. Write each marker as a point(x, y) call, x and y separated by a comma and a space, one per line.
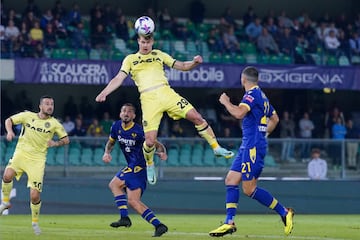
point(37, 132)
point(259, 120)
point(156, 96)
point(129, 183)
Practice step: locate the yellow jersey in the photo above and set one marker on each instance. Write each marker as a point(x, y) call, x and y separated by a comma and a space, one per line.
point(147, 70)
point(36, 132)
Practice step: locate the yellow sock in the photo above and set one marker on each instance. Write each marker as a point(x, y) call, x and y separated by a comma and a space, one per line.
point(6, 189)
point(35, 211)
point(149, 154)
point(206, 132)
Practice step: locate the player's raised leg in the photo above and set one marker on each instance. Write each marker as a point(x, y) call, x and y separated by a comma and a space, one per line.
point(206, 132)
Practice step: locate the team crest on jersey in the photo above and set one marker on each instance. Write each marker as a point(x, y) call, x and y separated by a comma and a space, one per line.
point(249, 98)
point(133, 135)
point(145, 123)
point(153, 53)
point(47, 124)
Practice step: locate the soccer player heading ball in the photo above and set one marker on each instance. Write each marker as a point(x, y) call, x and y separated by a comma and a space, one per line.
point(146, 68)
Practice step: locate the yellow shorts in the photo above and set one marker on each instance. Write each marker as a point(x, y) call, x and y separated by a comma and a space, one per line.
point(164, 99)
point(33, 167)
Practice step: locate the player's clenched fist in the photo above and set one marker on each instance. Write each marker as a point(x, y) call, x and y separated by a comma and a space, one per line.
point(106, 158)
point(101, 97)
point(198, 59)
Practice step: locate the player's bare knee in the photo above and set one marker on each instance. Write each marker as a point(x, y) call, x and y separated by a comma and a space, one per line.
point(35, 196)
point(248, 190)
point(8, 176)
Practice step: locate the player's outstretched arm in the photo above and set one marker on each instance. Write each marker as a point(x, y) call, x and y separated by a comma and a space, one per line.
point(188, 65)
point(237, 112)
point(112, 86)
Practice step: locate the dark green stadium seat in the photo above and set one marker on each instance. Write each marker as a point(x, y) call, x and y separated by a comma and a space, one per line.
point(132, 44)
point(82, 54)
point(196, 157)
point(263, 59)
point(274, 59)
point(62, 43)
point(86, 157)
point(180, 56)
point(74, 156)
point(331, 61)
point(75, 144)
point(249, 48)
point(221, 162)
point(50, 157)
point(215, 58)
point(239, 59)
point(185, 160)
point(8, 155)
point(285, 59)
point(122, 160)
point(57, 54)
point(166, 34)
point(69, 53)
point(98, 154)
point(104, 55)
point(173, 156)
point(227, 58)
point(59, 159)
point(117, 55)
point(209, 158)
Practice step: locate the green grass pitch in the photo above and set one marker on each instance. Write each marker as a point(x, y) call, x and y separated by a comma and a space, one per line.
point(181, 227)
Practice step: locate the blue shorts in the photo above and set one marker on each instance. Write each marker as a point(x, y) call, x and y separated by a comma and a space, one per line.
point(134, 178)
point(249, 162)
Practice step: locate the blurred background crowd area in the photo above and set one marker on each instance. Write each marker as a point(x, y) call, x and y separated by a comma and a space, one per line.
point(105, 31)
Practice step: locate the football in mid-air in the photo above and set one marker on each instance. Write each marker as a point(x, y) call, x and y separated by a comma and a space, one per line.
point(144, 26)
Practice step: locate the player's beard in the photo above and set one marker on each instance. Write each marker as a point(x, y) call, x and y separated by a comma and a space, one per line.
point(48, 112)
point(127, 120)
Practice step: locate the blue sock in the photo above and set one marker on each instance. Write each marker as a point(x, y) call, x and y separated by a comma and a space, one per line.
point(266, 199)
point(232, 199)
point(121, 203)
point(150, 217)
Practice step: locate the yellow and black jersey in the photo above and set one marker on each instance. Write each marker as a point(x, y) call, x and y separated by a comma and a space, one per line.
point(36, 132)
point(147, 70)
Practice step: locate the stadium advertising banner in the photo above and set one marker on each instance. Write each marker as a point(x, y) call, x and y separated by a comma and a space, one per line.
point(45, 71)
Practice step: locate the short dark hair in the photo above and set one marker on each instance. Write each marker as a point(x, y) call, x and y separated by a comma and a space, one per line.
point(45, 97)
point(129, 105)
point(251, 73)
point(315, 150)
